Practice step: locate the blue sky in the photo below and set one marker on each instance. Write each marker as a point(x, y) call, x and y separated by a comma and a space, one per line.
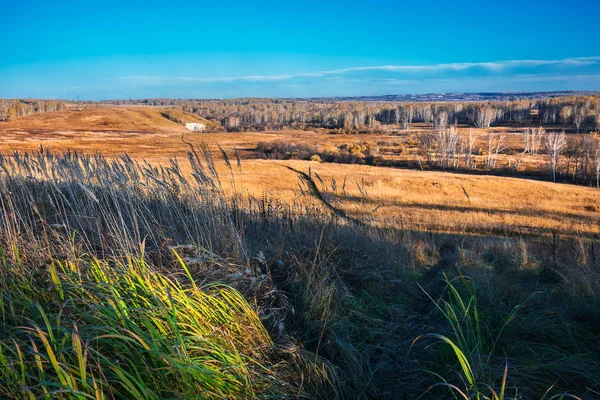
point(131, 49)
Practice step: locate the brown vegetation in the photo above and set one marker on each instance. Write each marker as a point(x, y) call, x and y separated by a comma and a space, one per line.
point(412, 199)
point(102, 119)
point(572, 112)
point(345, 280)
point(346, 309)
point(11, 109)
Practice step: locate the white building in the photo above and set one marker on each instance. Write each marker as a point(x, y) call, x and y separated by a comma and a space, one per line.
point(195, 126)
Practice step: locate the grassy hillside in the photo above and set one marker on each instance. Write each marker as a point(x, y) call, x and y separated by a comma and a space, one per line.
point(409, 199)
point(185, 269)
point(122, 119)
point(105, 292)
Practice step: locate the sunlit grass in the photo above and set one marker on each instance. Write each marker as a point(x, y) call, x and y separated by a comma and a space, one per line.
point(94, 330)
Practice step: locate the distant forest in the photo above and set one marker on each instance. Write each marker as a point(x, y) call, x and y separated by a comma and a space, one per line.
point(13, 108)
point(549, 122)
point(580, 113)
point(576, 113)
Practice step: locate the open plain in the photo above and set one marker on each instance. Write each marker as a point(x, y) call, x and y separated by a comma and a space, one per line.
point(309, 263)
point(444, 201)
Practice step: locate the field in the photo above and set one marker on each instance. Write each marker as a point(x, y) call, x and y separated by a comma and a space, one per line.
point(343, 280)
point(413, 199)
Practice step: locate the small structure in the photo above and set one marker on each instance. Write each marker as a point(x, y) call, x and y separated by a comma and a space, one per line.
point(195, 126)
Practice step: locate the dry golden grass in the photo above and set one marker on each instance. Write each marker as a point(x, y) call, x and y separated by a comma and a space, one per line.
point(138, 131)
point(105, 119)
point(423, 200)
point(458, 202)
point(428, 200)
point(343, 297)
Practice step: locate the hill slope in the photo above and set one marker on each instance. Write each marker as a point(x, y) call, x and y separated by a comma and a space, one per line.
point(115, 119)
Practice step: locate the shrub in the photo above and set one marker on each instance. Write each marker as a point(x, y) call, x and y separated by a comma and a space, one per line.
point(353, 153)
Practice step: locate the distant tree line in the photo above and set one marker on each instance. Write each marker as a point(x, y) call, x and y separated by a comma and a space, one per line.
point(575, 112)
point(13, 108)
point(445, 146)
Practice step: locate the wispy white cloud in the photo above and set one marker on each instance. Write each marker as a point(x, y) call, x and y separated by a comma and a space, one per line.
point(493, 83)
point(495, 66)
point(555, 78)
point(492, 66)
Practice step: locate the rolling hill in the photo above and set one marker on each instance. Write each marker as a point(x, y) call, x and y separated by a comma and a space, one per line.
point(103, 119)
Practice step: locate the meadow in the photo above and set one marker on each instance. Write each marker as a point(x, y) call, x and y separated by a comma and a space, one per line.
point(411, 196)
point(140, 260)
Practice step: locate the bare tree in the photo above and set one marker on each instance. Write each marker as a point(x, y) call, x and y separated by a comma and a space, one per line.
point(597, 122)
point(469, 143)
point(490, 147)
point(586, 149)
point(441, 146)
point(405, 116)
point(427, 143)
point(527, 135)
point(555, 143)
point(484, 116)
point(426, 113)
point(565, 114)
point(596, 157)
point(536, 139)
point(397, 113)
point(452, 143)
point(500, 146)
point(578, 116)
point(495, 145)
point(441, 119)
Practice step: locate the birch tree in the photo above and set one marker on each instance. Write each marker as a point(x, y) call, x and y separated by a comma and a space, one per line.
point(426, 113)
point(555, 143)
point(427, 143)
point(578, 116)
point(495, 144)
point(441, 120)
point(527, 136)
point(586, 149)
point(453, 143)
point(536, 136)
point(484, 116)
point(565, 114)
point(500, 146)
point(469, 144)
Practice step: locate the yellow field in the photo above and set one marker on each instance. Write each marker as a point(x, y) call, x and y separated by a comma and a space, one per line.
point(436, 201)
point(422, 200)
